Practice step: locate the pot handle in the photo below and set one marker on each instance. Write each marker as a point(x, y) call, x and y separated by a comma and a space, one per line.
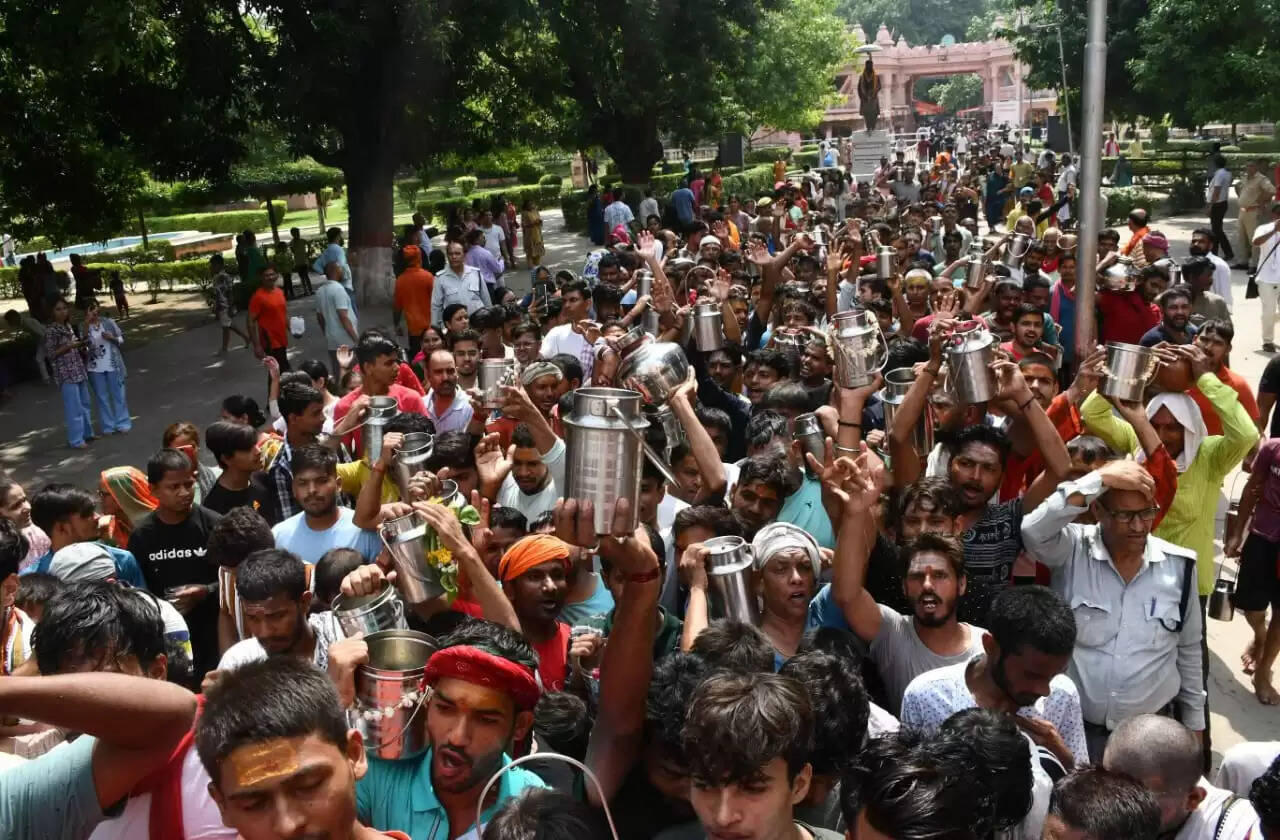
point(656, 459)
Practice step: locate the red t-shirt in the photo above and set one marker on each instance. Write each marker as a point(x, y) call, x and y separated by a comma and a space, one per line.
point(271, 312)
point(1213, 423)
point(1045, 194)
point(1125, 316)
point(553, 658)
point(406, 400)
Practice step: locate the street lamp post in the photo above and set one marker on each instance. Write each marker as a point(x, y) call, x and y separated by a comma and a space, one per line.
point(1095, 76)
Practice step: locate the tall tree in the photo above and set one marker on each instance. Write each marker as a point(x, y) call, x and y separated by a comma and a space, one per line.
point(1205, 55)
point(636, 72)
point(921, 22)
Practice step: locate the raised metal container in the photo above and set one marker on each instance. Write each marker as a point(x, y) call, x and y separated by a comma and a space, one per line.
point(729, 577)
point(390, 694)
point(886, 261)
point(1015, 250)
point(1220, 606)
point(896, 384)
point(975, 273)
point(807, 429)
point(1127, 370)
point(970, 353)
point(491, 375)
point(417, 580)
point(369, 614)
point(649, 320)
point(380, 411)
point(411, 459)
point(860, 348)
point(654, 370)
point(708, 327)
point(604, 442)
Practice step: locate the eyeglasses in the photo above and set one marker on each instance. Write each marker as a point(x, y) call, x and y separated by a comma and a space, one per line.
point(1127, 517)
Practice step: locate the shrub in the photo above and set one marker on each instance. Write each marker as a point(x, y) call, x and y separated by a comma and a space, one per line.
point(407, 189)
point(550, 179)
point(805, 158)
point(1186, 194)
point(1122, 200)
point(768, 154)
point(529, 173)
point(1160, 135)
point(231, 222)
point(465, 184)
point(281, 207)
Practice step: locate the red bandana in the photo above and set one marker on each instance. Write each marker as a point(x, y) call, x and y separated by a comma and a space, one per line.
point(473, 665)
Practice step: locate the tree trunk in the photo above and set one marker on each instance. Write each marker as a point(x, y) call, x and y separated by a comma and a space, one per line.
point(142, 226)
point(370, 213)
point(271, 217)
point(635, 148)
point(320, 212)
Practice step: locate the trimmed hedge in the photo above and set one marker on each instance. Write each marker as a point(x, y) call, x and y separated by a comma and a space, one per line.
point(1122, 200)
point(234, 221)
point(768, 154)
point(466, 184)
point(806, 158)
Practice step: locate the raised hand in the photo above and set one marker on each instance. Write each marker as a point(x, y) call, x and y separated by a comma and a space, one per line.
point(644, 245)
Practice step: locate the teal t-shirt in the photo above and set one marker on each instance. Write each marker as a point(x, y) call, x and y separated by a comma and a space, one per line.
point(803, 509)
point(51, 797)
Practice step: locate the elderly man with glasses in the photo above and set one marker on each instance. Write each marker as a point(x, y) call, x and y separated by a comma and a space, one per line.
point(1139, 630)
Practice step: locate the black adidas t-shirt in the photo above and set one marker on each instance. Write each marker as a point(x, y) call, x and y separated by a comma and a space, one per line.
point(174, 555)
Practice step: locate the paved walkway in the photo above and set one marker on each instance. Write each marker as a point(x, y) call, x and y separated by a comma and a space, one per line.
point(179, 378)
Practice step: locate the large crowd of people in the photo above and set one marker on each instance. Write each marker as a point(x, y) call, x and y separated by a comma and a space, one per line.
point(976, 579)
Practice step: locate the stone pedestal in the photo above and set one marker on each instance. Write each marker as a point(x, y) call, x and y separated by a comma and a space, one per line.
point(868, 148)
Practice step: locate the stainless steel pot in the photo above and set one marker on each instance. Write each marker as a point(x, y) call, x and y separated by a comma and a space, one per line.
point(708, 327)
point(807, 429)
point(860, 348)
point(1220, 606)
point(896, 384)
point(654, 370)
point(369, 614)
point(975, 273)
point(604, 441)
point(491, 375)
point(417, 580)
point(970, 353)
point(380, 412)
point(729, 578)
point(411, 459)
point(886, 261)
point(390, 693)
point(644, 286)
point(1127, 370)
point(1015, 250)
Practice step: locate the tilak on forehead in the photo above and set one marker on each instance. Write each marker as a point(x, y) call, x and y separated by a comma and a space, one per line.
point(253, 764)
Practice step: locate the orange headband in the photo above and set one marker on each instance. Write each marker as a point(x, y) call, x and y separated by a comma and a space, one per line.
point(530, 551)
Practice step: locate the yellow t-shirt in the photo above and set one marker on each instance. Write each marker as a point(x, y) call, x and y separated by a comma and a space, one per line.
point(353, 475)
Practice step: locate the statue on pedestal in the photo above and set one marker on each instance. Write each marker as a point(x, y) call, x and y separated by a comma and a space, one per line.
point(869, 95)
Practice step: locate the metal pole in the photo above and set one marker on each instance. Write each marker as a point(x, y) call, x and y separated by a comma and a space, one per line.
point(1095, 77)
point(1062, 62)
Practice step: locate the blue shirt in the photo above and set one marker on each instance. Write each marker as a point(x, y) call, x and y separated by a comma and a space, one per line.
point(825, 612)
point(127, 568)
point(398, 796)
point(804, 509)
point(598, 603)
point(331, 298)
point(295, 535)
point(682, 201)
point(53, 796)
point(334, 252)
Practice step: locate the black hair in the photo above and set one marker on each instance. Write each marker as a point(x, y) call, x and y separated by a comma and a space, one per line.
point(100, 621)
point(334, 565)
point(908, 791)
point(240, 532)
point(569, 366)
point(904, 354)
point(580, 286)
point(675, 677)
point(1031, 616)
point(545, 814)
point(509, 518)
point(1091, 450)
point(1173, 293)
point(238, 405)
point(55, 502)
point(1207, 233)
point(983, 434)
point(295, 397)
point(769, 469)
point(1222, 329)
point(278, 697)
point(315, 369)
point(840, 707)
point(1106, 805)
point(299, 376)
point(522, 437)
point(562, 724)
point(270, 572)
point(776, 359)
point(225, 438)
point(738, 723)
point(372, 345)
point(164, 462)
point(526, 327)
point(786, 395)
point(314, 456)
point(605, 294)
point(13, 548)
point(734, 646)
point(1109, 234)
point(495, 639)
point(767, 425)
point(1138, 216)
point(1264, 795)
point(1027, 309)
point(488, 318)
point(460, 336)
point(35, 589)
point(409, 422)
point(991, 744)
point(453, 450)
point(710, 416)
point(948, 547)
point(450, 311)
point(938, 492)
point(715, 518)
point(1035, 359)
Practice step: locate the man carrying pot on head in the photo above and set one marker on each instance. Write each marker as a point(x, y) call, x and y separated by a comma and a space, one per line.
point(483, 690)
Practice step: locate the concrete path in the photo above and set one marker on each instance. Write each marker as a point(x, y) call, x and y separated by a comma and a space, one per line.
point(179, 378)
